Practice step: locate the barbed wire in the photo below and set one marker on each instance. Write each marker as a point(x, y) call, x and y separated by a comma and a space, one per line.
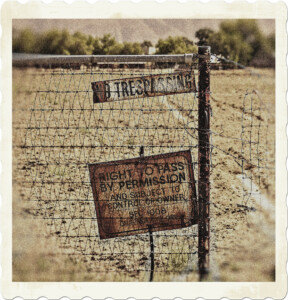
point(65, 131)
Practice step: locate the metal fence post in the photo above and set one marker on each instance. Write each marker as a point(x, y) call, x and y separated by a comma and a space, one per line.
point(204, 160)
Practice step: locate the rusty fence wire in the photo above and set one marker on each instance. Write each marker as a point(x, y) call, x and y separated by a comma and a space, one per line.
point(58, 131)
point(64, 131)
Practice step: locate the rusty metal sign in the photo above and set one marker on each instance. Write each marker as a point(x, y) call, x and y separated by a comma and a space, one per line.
point(144, 194)
point(145, 86)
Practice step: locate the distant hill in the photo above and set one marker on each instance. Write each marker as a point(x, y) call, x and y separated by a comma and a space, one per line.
point(131, 30)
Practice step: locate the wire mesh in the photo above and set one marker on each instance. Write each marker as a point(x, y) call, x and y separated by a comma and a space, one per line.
point(257, 149)
point(58, 130)
point(64, 131)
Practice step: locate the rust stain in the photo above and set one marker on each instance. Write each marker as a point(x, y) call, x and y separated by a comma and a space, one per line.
point(204, 160)
point(99, 92)
point(156, 192)
point(144, 86)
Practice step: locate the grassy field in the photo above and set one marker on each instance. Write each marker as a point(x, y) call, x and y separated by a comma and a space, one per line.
point(55, 233)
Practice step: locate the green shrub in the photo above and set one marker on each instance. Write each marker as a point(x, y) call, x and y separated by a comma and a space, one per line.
point(239, 40)
point(175, 45)
point(25, 42)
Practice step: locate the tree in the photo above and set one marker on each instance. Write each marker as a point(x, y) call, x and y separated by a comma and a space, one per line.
point(109, 45)
point(238, 40)
point(131, 48)
point(24, 42)
point(203, 36)
point(81, 44)
point(97, 47)
point(145, 46)
point(231, 47)
point(175, 45)
point(54, 42)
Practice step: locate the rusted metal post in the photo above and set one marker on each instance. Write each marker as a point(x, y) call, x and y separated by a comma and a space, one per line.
point(151, 255)
point(204, 160)
point(141, 153)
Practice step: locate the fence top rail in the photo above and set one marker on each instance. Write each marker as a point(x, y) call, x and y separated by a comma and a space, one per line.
point(21, 59)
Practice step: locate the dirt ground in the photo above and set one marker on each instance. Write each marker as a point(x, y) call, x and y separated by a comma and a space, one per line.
point(55, 233)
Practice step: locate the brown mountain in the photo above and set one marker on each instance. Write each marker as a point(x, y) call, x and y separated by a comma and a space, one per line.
point(131, 30)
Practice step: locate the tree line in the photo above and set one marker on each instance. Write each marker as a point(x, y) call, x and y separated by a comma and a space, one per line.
point(239, 40)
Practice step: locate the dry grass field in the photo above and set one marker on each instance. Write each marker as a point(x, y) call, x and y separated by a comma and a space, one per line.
point(57, 131)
